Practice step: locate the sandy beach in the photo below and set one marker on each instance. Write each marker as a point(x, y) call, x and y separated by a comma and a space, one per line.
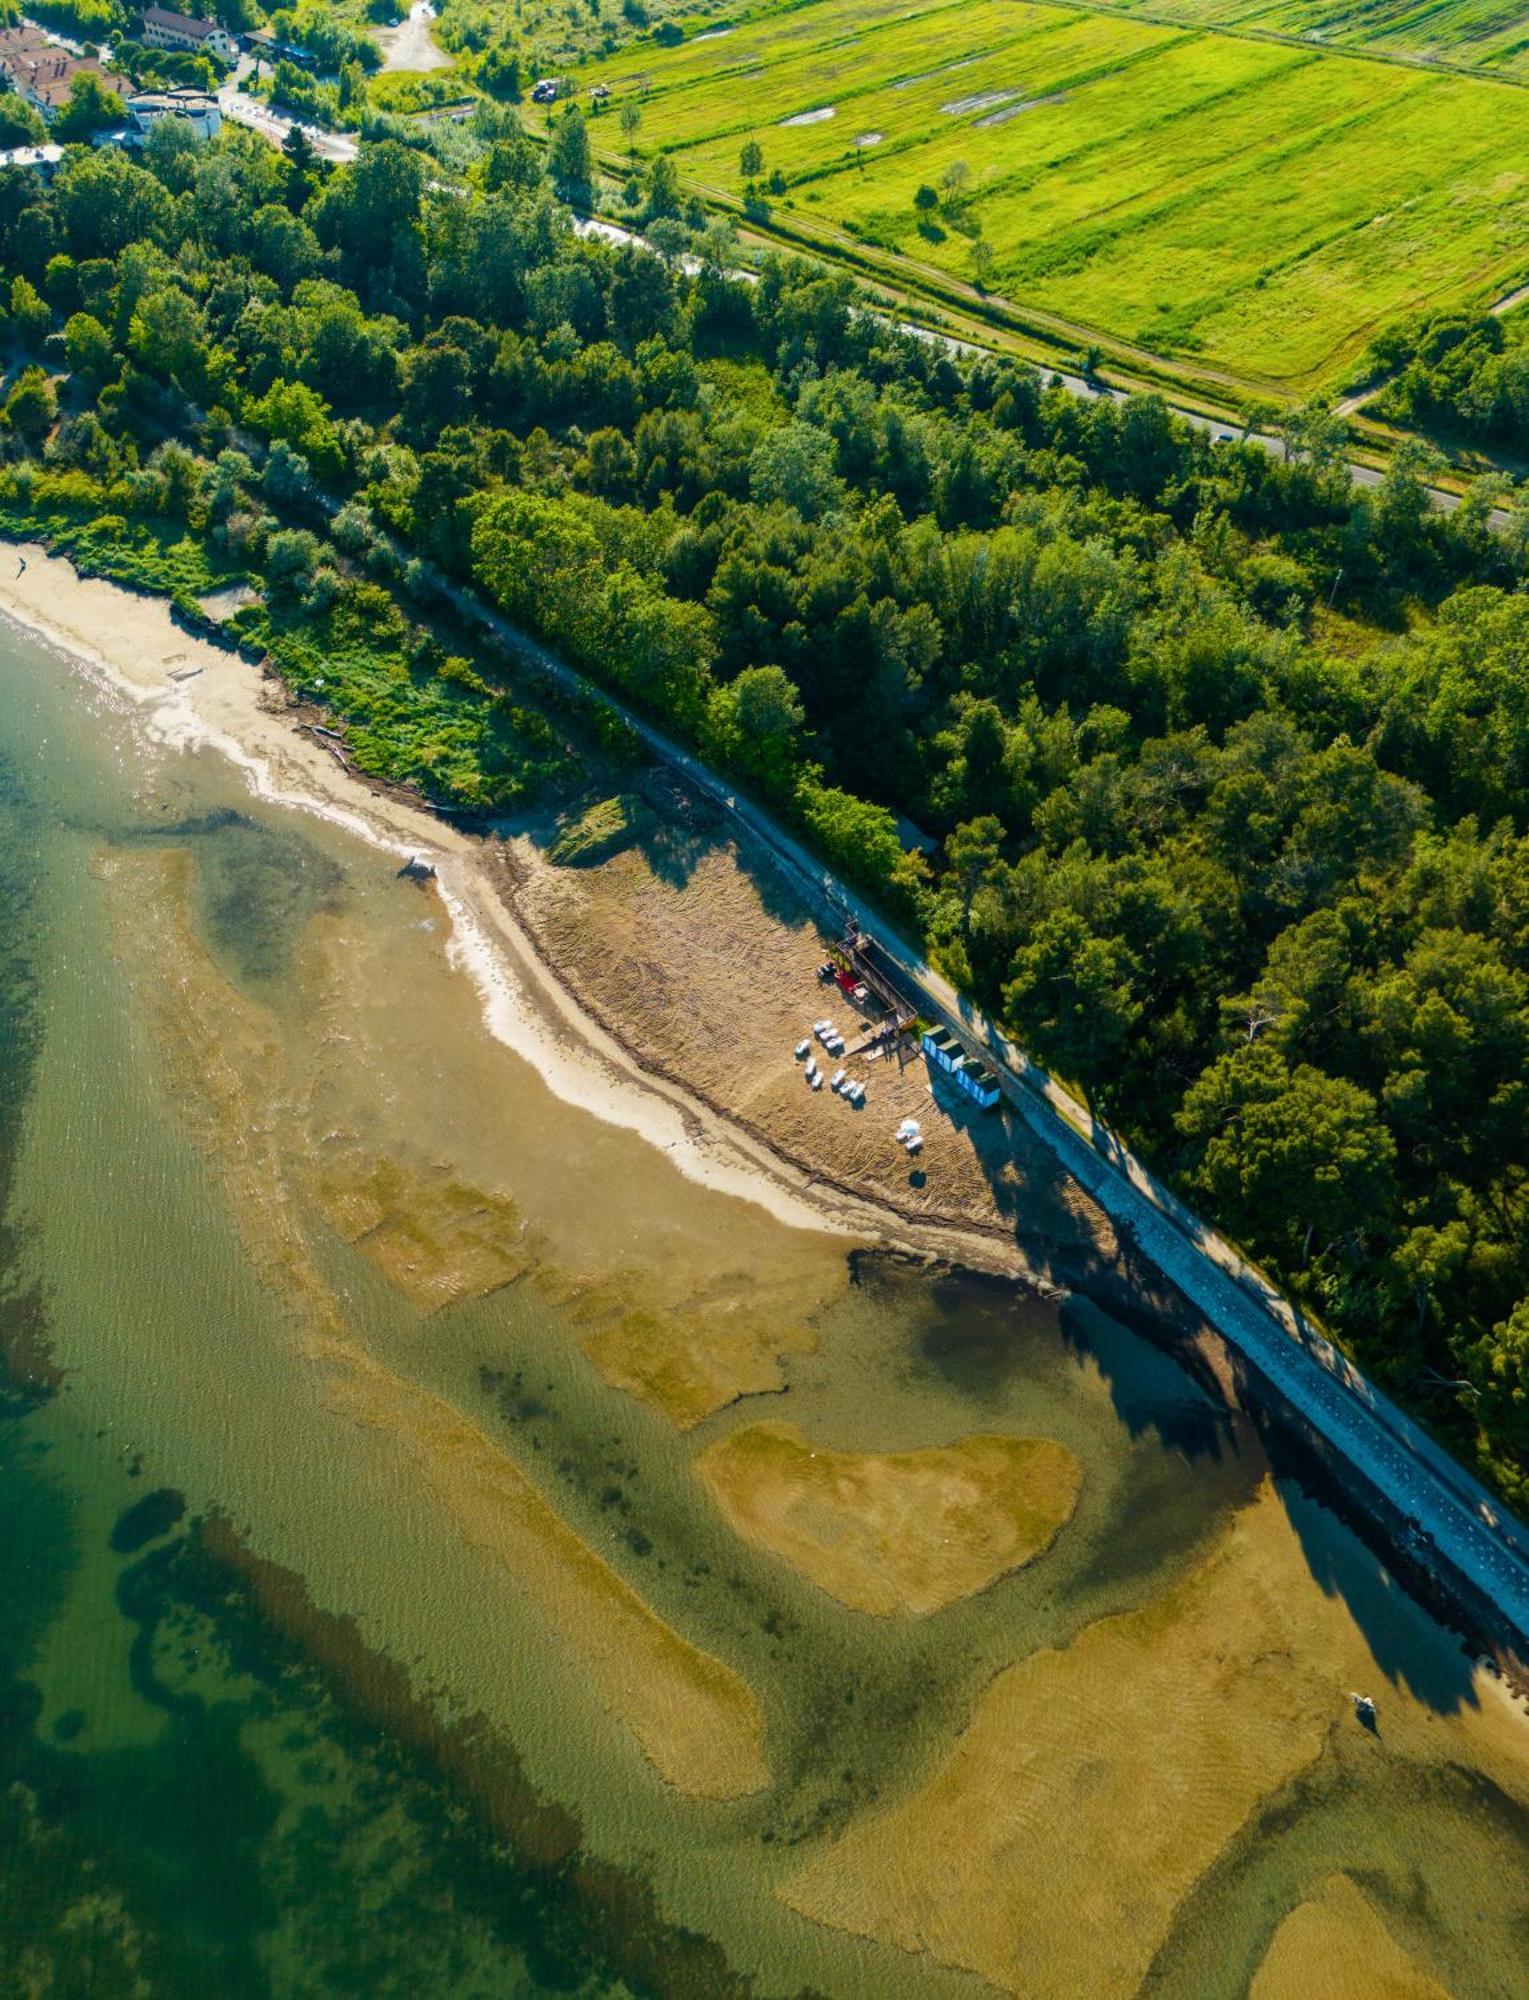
point(190, 694)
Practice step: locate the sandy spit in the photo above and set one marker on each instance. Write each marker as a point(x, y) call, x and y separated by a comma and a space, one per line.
point(191, 695)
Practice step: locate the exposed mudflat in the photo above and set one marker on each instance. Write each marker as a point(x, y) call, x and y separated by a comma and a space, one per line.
point(894, 1531)
point(1337, 1942)
point(1097, 1784)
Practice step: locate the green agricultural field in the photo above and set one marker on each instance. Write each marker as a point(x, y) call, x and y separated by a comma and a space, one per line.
point(1253, 209)
point(1487, 35)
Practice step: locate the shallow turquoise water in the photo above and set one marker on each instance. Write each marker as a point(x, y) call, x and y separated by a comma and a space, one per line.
point(189, 1806)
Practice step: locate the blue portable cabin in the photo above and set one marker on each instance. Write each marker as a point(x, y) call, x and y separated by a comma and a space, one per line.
point(943, 1050)
point(969, 1076)
point(980, 1084)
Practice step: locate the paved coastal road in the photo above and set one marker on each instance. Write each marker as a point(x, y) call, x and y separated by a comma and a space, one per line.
point(242, 109)
point(1445, 1506)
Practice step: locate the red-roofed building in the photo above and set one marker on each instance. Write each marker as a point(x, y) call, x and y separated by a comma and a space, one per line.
point(163, 29)
point(18, 43)
point(46, 80)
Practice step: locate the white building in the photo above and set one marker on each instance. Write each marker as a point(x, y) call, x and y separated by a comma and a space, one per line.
point(42, 159)
point(147, 107)
point(164, 30)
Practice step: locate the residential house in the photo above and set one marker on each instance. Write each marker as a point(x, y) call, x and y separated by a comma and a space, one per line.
point(46, 80)
point(20, 44)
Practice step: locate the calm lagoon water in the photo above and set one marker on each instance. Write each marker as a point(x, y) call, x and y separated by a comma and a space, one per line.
point(292, 1705)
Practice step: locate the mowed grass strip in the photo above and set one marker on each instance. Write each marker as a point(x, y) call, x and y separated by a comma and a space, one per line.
point(1248, 206)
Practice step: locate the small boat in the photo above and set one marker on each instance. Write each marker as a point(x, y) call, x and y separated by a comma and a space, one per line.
point(801, 1049)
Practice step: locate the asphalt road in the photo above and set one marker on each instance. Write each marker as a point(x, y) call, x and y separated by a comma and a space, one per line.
point(242, 109)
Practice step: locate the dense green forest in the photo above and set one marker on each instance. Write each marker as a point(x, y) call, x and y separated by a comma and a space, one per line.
point(1227, 761)
point(1464, 375)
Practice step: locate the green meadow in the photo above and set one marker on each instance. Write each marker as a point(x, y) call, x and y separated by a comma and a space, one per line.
point(1256, 209)
point(1489, 35)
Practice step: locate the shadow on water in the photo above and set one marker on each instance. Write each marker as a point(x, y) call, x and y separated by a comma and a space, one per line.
point(1346, 1549)
point(1153, 1347)
point(1117, 1315)
point(1149, 1390)
point(1410, 1649)
point(1149, 1343)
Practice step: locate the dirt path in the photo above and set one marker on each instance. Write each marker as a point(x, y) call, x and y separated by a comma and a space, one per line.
point(411, 45)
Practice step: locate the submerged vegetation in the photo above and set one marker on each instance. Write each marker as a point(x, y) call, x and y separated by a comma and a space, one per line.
point(1223, 760)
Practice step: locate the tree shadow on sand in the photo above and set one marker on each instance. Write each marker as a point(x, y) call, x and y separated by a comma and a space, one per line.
point(672, 827)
